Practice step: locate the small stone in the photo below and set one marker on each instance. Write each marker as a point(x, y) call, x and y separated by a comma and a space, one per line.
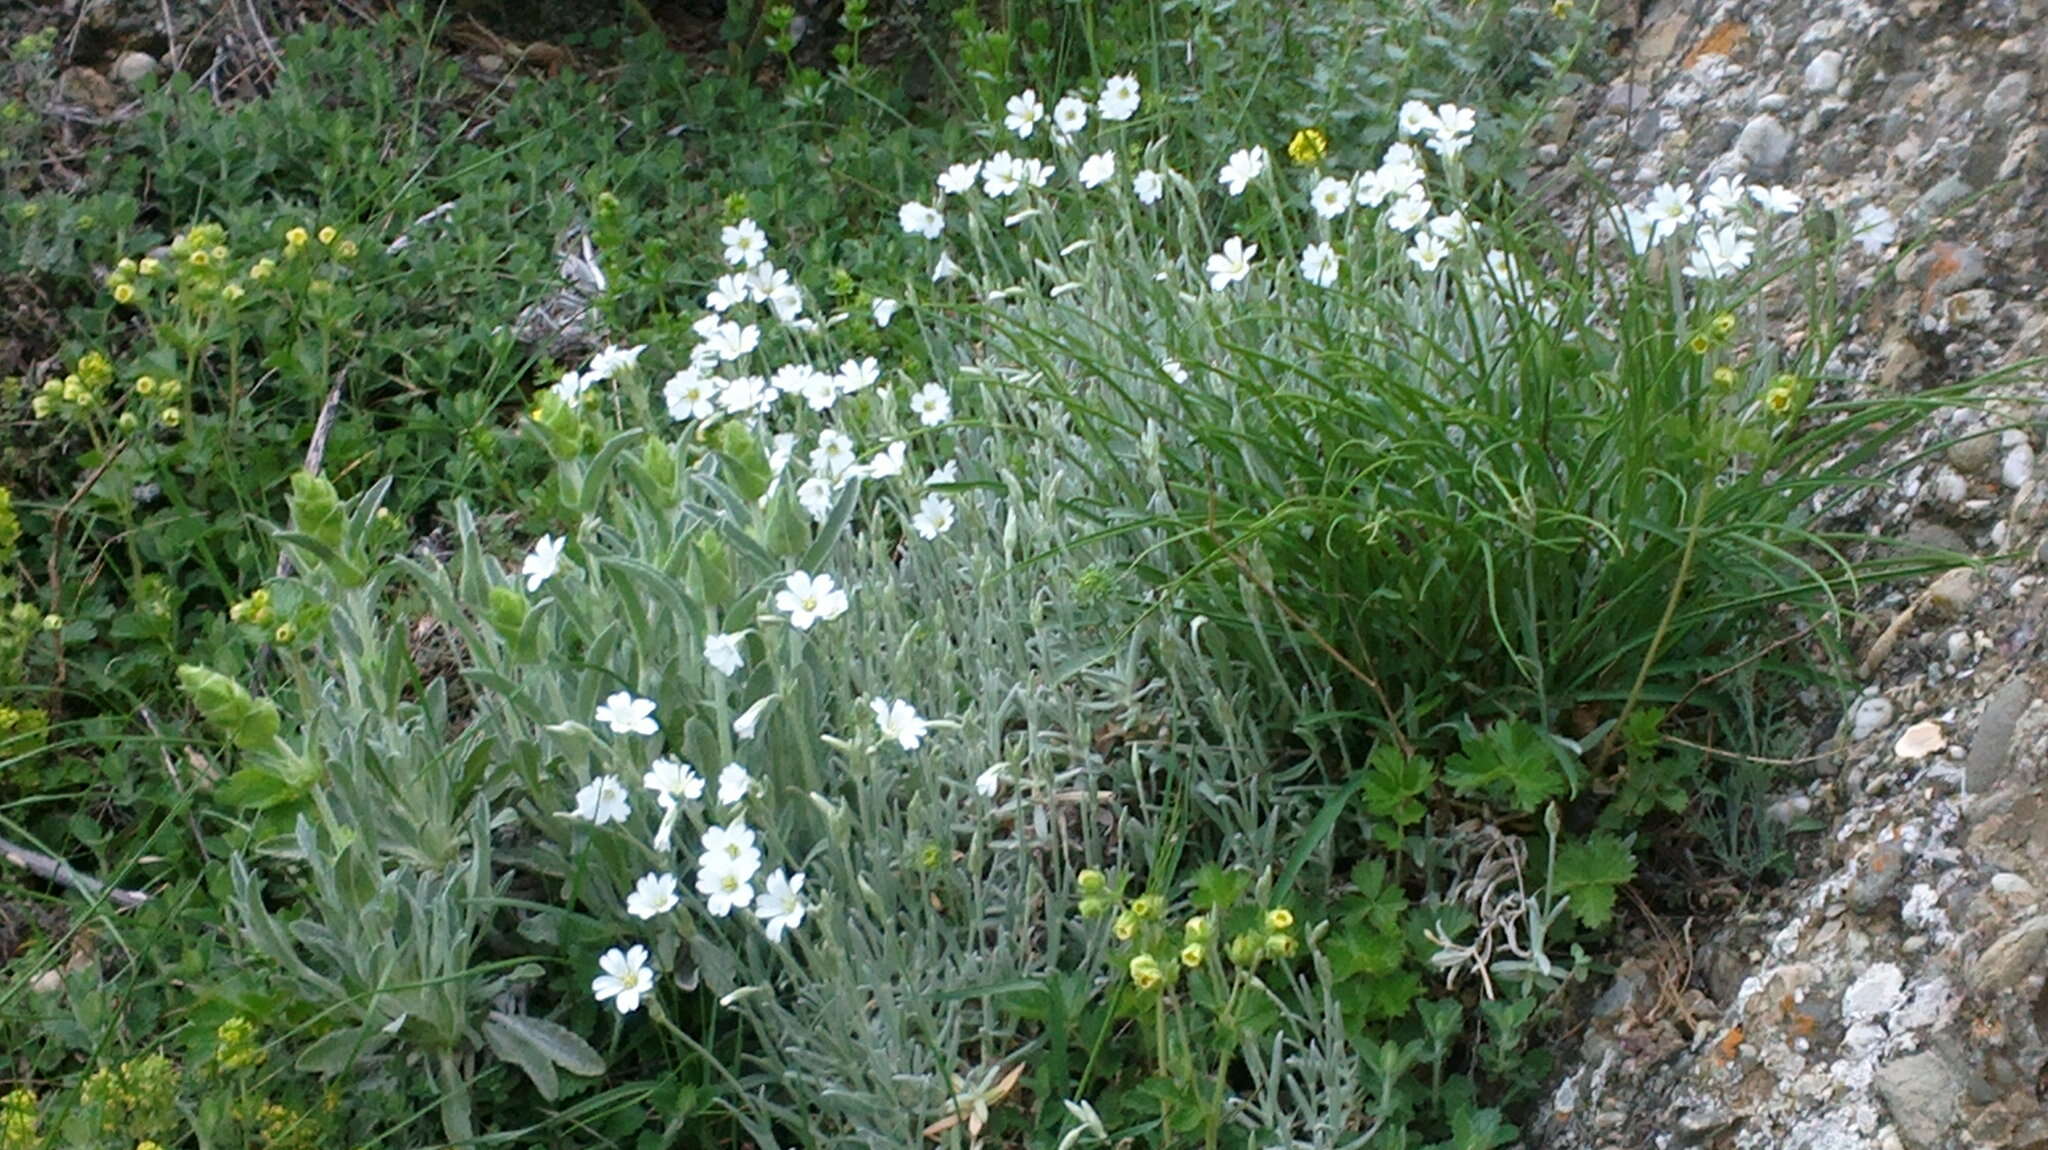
point(1951, 267)
point(2007, 962)
point(1958, 649)
point(1941, 196)
point(1969, 308)
point(2013, 888)
point(1949, 486)
point(2018, 466)
point(1624, 97)
point(1920, 1094)
point(1975, 455)
point(1952, 593)
point(1871, 714)
point(1990, 746)
point(1823, 72)
point(1876, 992)
point(1877, 877)
point(2007, 99)
point(81, 85)
point(132, 67)
point(1920, 740)
point(1764, 145)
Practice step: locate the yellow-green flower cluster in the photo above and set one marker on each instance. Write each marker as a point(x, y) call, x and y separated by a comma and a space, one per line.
point(138, 1098)
point(81, 392)
point(18, 1120)
point(1274, 937)
point(235, 1045)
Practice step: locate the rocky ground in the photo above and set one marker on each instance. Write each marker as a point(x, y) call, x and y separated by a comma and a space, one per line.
point(1895, 995)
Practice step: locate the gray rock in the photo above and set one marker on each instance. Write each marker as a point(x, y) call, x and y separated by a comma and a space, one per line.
point(1952, 593)
point(2007, 100)
point(1870, 715)
point(131, 67)
point(1879, 875)
point(1764, 145)
point(1974, 456)
point(2007, 962)
point(1992, 743)
point(1941, 196)
point(1823, 72)
point(2018, 466)
point(1919, 1093)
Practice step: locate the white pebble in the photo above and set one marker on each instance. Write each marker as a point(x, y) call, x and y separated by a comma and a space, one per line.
point(1871, 715)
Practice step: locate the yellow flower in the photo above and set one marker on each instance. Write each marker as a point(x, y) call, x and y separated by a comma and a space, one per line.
point(1724, 376)
point(1561, 8)
point(171, 417)
point(285, 633)
point(145, 385)
point(262, 268)
point(328, 235)
point(124, 293)
point(1125, 927)
point(232, 292)
point(1091, 881)
point(1145, 972)
point(295, 238)
point(1192, 954)
point(1700, 344)
point(1247, 948)
point(199, 259)
point(1779, 400)
point(1308, 146)
point(149, 266)
point(1280, 945)
point(347, 249)
point(1197, 929)
point(1724, 324)
point(1279, 918)
point(53, 622)
point(1147, 907)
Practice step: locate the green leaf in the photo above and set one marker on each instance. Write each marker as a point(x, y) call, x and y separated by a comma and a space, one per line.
point(1216, 888)
point(1590, 871)
point(538, 1046)
point(1394, 783)
point(256, 788)
point(1511, 762)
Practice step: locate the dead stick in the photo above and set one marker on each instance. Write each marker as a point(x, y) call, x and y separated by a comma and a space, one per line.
point(62, 873)
point(316, 455)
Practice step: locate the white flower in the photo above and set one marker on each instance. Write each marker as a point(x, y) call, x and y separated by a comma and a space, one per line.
point(1453, 229)
point(1231, 264)
point(612, 360)
point(1719, 252)
point(744, 726)
point(1330, 197)
point(1779, 201)
point(626, 979)
point(833, 457)
point(932, 405)
point(1098, 169)
point(731, 341)
point(1368, 190)
point(947, 472)
point(1319, 265)
point(1416, 119)
point(1407, 213)
point(934, 517)
point(959, 178)
point(920, 220)
point(542, 562)
point(602, 800)
point(672, 780)
point(1148, 186)
point(814, 495)
point(884, 310)
point(654, 894)
point(820, 390)
point(779, 906)
point(857, 375)
point(724, 884)
point(807, 599)
point(736, 843)
point(887, 462)
point(627, 714)
point(729, 292)
point(1242, 168)
point(1070, 115)
point(899, 722)
point(1119, 99)
point(762, 279)
point(1670, 209)
point(1639, 229)
point(945, 269)
point(690, 394)
point(733, 784)
point(1037, 172)
point(572, 387)
point(1002, 176)
point(1722, 196)
point(723, 652)
point(1428, 251)
point(1174, 371)
point(989, 782)
point(1452, 132)
point(745, 393)
point(788, 302)
point(1024, 113)
point(1874, 228)
point(745, 243)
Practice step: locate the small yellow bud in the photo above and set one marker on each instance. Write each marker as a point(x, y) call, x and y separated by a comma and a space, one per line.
point(285, 633)
point(296, 238)
point(262, 268)
point(1148, 907)
point(346, 249)
point(169, 389)
point(199, 259)
point(1279, 918)
point(328, 235)
point(124, 293)
point(1126, 927)
point(149, 266)
point(320, 287)
point(1308, 146)
point(1700, 344)
point(1724, 324)
point(53, 622)
point(1779, 400)
point(1091, 881)
point(145, 385)
point(1145, 972)
point(1724, 376)
point(126, 266)
point(233, 292)
point(127, 424)
point(1280, 946)
point(171, 417)
point(1197, 929)
point(1192, 954)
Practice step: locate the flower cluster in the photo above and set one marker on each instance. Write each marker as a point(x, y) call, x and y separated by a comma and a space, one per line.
point(1719, 226)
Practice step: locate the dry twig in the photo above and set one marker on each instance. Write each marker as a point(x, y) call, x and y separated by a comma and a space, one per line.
point(62, 873)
